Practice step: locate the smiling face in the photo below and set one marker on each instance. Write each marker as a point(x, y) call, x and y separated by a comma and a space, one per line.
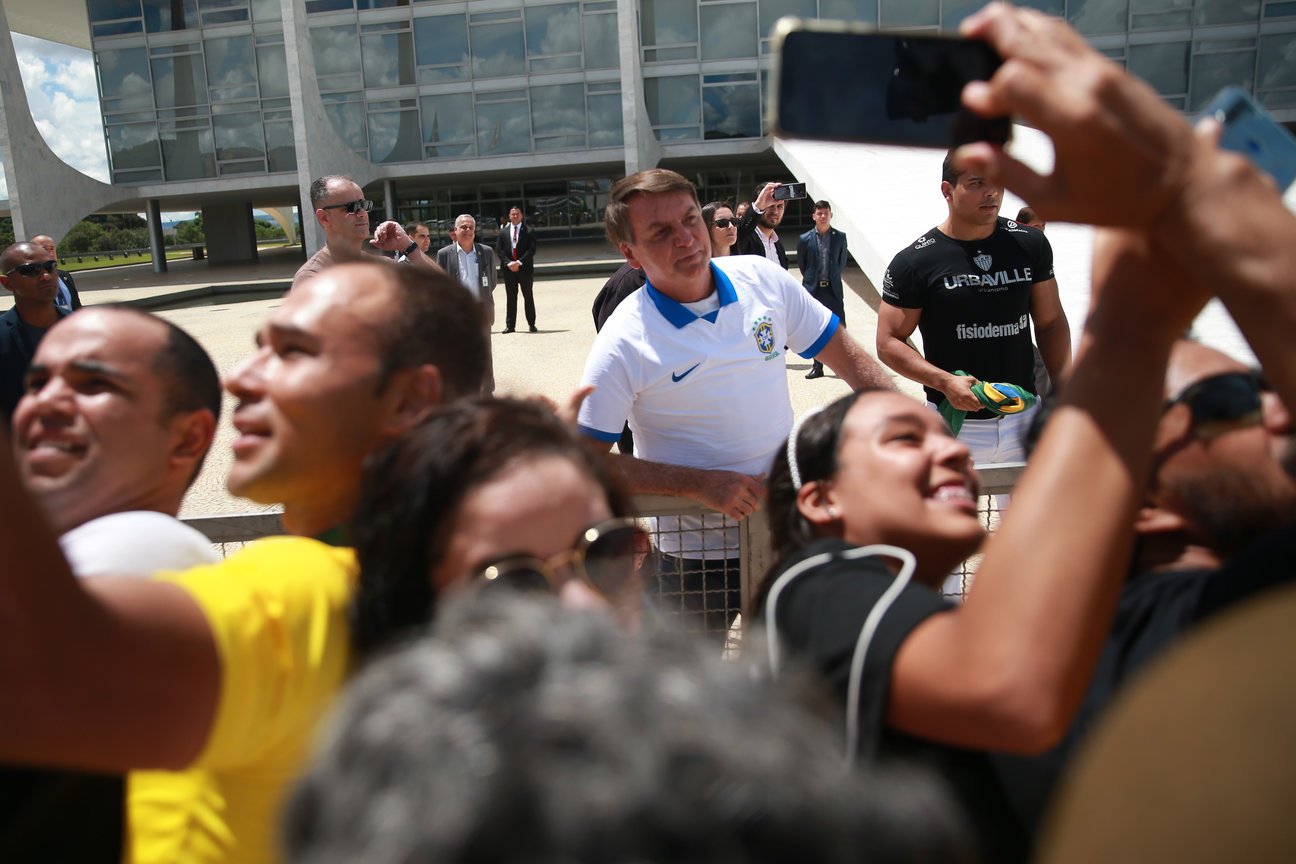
point(90, 435)
point(973, 201)
point(310, 404)
point(903, 479)
point(670, 244)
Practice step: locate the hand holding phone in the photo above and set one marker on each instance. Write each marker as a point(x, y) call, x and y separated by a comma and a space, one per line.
point(1248, 129)
point(789, 191)
point(841, 81)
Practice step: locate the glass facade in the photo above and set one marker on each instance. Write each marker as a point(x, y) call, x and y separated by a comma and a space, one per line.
point(197, 89)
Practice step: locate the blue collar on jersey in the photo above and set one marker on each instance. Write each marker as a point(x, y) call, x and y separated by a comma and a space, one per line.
point(679, 315)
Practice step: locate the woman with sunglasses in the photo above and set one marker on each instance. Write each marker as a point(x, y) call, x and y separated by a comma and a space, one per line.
point(722, 227)
point(874, 502)
point(489, 494)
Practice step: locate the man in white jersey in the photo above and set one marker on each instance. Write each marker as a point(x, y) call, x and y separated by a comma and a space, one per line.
point(696, 361)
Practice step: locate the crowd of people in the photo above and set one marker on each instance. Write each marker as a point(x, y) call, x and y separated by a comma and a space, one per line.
point(453, 654)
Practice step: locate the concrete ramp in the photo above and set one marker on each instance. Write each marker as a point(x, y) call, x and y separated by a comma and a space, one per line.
point(887, 197)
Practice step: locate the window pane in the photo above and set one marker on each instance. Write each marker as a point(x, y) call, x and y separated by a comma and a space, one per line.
point(238, 136)
point(497, 49)
point(388, 59)
point(910, 13)
point(124, 77)
point(179, 81)
point(230, 68)
point(280, 147)
point(1099, 16)
point(440, 41)
point(111, 10)
point(272, 71)
point(394, 137)
point(601, 48)
point(1153, 14)
point(1226, 11)
point(1164, 66)
point(672, 101)
point(957, 10)
point(558, 116)
point(348, 120)
point(337, 53)
point(729, 31)
point(188, 154)
point(163, 15)
point(850, 10)
point(732, 111)
point(1277, 61)
point(448, 124)
point(266, 10)
point(503, 127)
point(668, 22)
point(772, 10)
point(133, 146)
point(553, 29)
point(1211, 72)
point(605, 129)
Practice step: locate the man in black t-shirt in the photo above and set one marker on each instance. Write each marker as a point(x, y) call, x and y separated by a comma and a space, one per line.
point(973, 286)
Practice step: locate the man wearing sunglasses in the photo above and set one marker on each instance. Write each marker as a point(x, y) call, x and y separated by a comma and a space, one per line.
point(28, 272)
point(1222, 490)
point(343, 212)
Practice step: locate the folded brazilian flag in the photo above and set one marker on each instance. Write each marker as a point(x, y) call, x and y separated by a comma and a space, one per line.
point(999, 397)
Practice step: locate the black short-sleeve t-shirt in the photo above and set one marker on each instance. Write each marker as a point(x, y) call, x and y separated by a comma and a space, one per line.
point(975, 300)
point(817, 618)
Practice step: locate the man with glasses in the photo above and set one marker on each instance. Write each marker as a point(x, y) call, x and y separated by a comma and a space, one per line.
point(28, 272)
point(473, 264)
point(757, 234)
point(68, 296)
point(1221, 494)
point(343, 212)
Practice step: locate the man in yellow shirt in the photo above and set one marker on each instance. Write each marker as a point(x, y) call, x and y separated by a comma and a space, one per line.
point(221, 672)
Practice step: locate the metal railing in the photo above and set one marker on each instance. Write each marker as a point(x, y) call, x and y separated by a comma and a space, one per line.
point(753, 553)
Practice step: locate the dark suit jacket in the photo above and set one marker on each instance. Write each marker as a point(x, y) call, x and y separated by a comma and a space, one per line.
point(72, 289)
point(15, 355)
point(448, 258)
point(526, 246)
point(808, 261)
point(749, 243)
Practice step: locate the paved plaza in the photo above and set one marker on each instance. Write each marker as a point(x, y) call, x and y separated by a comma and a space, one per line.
point(548, 362)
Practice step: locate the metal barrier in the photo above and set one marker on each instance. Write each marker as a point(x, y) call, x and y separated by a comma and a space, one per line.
point(674, 591)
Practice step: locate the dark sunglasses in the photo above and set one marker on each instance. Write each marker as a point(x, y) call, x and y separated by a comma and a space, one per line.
point(723, 223)
point(605, 558)
point(33, 270)
point(1222, 402)
point(352, 207)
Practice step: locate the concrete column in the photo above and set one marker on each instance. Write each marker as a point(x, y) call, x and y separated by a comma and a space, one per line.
point(157, 245)
point(641, 148)
point(234, 241)
point(389, 198)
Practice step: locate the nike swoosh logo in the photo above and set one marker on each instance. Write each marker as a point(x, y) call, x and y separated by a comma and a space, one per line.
point(680, 376)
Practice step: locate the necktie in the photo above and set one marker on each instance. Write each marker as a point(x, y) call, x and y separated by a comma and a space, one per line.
point(515, 233)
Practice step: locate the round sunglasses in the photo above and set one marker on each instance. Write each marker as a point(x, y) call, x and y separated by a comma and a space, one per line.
point(606, 558)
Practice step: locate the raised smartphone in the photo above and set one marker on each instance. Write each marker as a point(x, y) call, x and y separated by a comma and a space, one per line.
point(788, 191)
point(1249, 130)
point(843, 81)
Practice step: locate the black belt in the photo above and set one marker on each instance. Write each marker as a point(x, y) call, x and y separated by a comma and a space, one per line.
point(824, 283)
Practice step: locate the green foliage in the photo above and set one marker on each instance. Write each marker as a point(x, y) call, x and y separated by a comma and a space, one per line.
point(191, 231)
point(6, 231)
point(268, 231)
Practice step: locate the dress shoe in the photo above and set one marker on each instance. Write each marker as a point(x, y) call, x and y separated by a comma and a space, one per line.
point(534, 329)
point(816, 371)
point(508, 330)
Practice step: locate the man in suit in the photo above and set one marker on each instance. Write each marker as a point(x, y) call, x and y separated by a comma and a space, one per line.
point(473, 264)
point(68, 297)
point(821, 255)
point(517, 248)
point(757, 234)
point(27, 271)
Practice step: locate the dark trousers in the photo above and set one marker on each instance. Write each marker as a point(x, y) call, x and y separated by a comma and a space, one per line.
point(705, 594)
point(512, 282)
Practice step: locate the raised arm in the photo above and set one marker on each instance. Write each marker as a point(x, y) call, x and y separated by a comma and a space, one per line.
point(107, 674)
point(1008, 668)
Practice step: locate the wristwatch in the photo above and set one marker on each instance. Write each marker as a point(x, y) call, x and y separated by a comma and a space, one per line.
point(411, 248)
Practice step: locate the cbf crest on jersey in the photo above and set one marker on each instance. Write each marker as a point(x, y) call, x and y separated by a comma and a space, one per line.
point(983, 261)
point(763, 331)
